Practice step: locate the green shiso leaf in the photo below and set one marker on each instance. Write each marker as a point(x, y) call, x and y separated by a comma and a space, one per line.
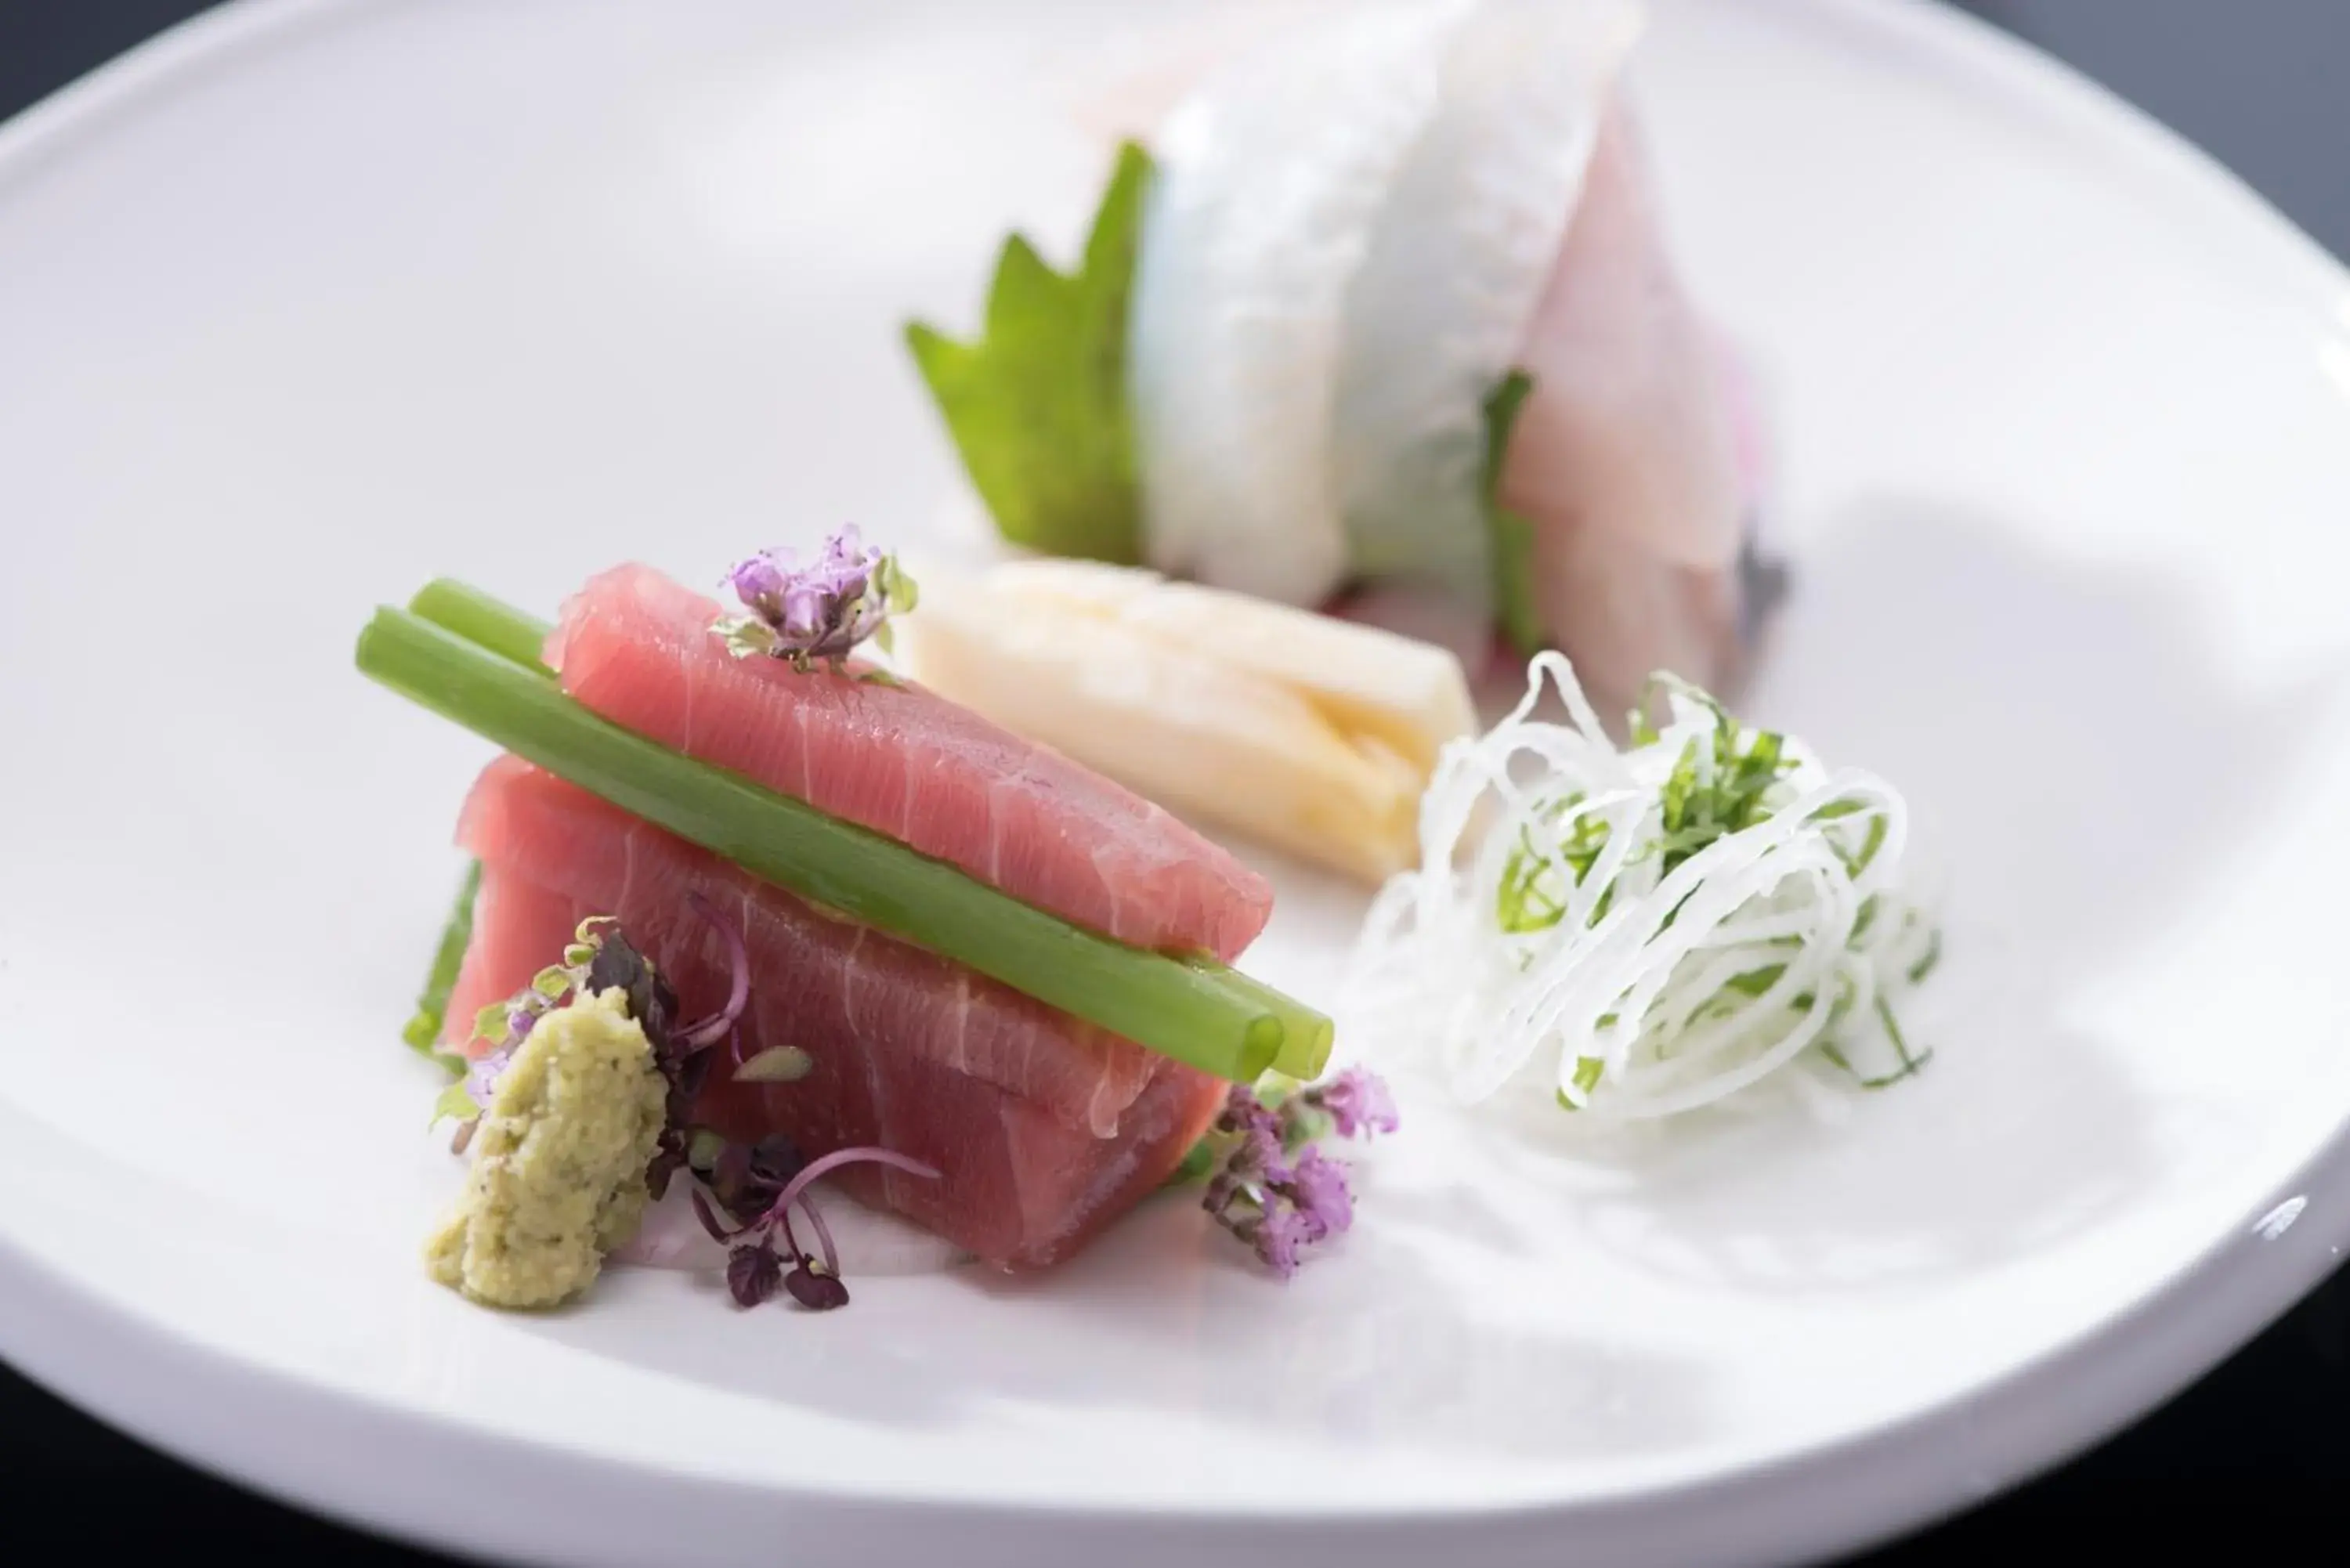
point(1512, 536)
point(1036, 405)
point(423, 1031)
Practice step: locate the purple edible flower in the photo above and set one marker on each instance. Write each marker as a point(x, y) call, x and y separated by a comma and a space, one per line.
point(1309, 1203)
point(1357, 1102)
point(1278, 1235)
point(1245, 1113)
point(1260, 1153)
point(823, 610)
point(1224, 1189)
point(760, 581)
point(1318, 1187)
point(1272, 1186)
point(482, 1077)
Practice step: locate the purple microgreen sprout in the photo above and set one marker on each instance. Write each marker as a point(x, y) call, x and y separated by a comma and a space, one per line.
point(814, 1283)
point(1269, 1182)
point(720, 1231)
point(822, 611)
point(703, 1032)
point(823, 1235)
point(753, 1273)
point(816, 1291)
point(684, 1057)
point(776, 1158)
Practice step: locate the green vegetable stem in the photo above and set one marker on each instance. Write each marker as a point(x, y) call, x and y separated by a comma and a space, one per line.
point(467, 658)
point(423, 1030)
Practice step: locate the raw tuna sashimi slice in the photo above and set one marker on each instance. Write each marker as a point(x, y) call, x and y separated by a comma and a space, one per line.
point(637, 648)
point(1044, 1128)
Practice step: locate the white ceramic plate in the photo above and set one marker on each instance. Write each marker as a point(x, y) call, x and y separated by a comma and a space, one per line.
point(311, 301)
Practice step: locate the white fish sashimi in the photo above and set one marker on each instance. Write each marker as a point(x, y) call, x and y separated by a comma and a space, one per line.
point(1625, 456)
point(1359, 229)
point(1629, 423)
point(1470, 233)
point(1271, 177)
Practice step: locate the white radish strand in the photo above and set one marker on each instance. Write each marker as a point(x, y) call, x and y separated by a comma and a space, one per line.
point(1543, 941)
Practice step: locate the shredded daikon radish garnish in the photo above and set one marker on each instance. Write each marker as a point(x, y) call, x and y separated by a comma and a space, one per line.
point(1655, 928)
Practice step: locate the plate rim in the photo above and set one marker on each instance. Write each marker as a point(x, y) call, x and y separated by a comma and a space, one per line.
point(573, 1504)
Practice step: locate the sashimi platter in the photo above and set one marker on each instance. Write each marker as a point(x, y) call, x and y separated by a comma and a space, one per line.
point(1239, 781)
point(852, 892)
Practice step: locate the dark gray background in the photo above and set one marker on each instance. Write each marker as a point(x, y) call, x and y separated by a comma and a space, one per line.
point(2260, 1444)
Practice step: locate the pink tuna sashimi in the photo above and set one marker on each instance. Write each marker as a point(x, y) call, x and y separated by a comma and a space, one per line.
point(1626, 456)
point(1044, 1130)
point(637, 647)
